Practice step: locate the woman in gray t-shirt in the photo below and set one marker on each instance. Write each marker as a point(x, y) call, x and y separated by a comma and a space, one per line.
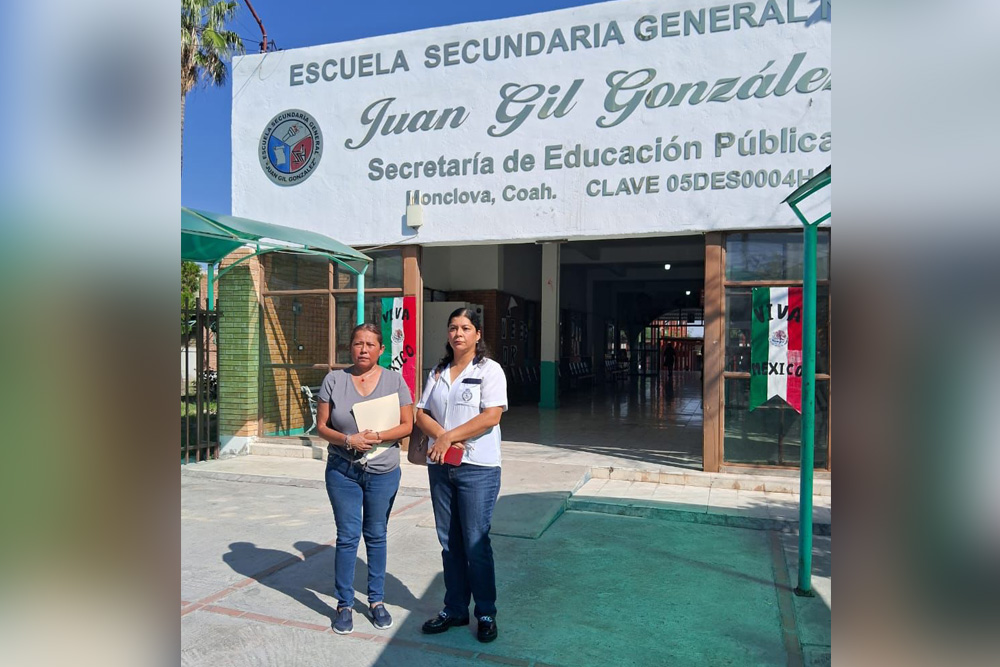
point(362, 487)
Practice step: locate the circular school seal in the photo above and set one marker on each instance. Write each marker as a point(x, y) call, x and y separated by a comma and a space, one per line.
point(290, 147)
point(779, 338)
point(467, 395)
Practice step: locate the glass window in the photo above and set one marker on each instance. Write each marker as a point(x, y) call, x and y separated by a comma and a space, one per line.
point(284, 271)
point(771, 434)
point(386, 270)
point(296, 329)
point(738, 316)
point(285, 409)
point(347, 309)
point(773, 256)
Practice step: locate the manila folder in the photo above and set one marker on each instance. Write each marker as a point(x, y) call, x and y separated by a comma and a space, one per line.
point(378, 414)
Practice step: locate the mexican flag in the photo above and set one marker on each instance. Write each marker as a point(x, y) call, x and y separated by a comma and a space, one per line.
point(776, 346)
point(399, 335)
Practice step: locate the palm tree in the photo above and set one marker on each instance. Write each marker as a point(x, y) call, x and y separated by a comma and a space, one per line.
point(206, 45)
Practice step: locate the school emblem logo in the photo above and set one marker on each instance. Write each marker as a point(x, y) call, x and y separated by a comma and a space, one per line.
point(467, 395)
point(290, 147)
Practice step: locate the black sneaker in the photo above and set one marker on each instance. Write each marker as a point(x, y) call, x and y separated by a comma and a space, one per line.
point(344, 623)
point(487, 629)
point(380, 617)
point(442, 622)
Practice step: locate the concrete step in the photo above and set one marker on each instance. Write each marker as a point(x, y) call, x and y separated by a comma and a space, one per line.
point(295, 451)
point(667, 511)
point(721, 480)
point(714, 505)
point(783, 482)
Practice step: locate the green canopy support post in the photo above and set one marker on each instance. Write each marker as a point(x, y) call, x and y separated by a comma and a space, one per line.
point(811, 204)
point(210, 299)
point(361, 295)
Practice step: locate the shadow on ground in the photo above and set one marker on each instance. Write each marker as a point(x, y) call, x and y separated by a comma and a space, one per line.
point(705, 594)
point(302, 584)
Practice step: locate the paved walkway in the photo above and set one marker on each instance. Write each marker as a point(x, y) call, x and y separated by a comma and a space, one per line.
point(646, 572)
point(551, 485)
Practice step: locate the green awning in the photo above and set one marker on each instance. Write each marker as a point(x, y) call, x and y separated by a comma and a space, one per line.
point(208, 237)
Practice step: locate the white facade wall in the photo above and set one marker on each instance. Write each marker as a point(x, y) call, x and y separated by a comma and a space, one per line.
point(645, 84)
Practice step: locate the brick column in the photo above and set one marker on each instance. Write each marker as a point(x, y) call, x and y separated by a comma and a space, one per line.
point(713, 359)
point(239, 354)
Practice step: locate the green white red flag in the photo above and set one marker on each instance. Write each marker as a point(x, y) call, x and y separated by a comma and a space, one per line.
point(399, 335)
point(776, 346)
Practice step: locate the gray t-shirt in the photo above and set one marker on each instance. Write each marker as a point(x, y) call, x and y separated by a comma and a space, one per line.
point(339, 391)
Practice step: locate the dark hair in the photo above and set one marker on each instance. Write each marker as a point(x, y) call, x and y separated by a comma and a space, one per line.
point(449, 354)
point(370, 328)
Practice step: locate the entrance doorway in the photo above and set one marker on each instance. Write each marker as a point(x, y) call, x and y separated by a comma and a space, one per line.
point(620, 301)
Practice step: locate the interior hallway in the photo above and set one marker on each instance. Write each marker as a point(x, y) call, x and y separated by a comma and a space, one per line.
point(647, 419)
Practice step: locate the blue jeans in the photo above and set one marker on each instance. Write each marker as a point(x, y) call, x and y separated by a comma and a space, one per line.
point(361, 505)
point(464, 498)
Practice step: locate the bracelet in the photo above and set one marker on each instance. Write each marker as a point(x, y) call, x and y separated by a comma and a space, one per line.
point(347, 442)
point(378, 436)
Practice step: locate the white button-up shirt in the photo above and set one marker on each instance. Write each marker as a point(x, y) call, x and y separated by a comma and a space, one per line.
point(478, 386)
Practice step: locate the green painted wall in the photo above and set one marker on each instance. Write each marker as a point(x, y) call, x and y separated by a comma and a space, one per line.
point(549, 387)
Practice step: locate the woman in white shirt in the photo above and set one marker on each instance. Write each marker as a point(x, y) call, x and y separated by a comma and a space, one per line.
point(460, 407)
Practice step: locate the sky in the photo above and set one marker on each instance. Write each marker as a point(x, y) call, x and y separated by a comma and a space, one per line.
point(206, 176)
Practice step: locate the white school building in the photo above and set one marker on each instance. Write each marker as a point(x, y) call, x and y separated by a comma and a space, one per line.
point(602, 182)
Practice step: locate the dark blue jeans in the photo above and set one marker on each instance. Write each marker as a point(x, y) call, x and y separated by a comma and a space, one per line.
point(361, 503)
point(464, 498)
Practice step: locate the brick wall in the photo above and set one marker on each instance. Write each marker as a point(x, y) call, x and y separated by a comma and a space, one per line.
point(239, 336)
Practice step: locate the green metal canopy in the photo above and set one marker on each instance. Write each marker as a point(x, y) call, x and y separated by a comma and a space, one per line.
point(209, 237)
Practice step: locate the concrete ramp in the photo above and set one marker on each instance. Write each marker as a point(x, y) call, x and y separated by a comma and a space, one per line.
point(532, 497)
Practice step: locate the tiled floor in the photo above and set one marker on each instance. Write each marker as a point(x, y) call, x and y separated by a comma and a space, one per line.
point(649, 419)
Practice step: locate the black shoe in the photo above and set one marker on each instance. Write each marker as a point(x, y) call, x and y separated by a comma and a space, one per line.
point(442, 622)
point(487, 629)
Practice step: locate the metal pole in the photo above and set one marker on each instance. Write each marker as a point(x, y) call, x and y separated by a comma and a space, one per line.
point(186, 453)
point(361, 296)
point(263, 32)
point(808, 410)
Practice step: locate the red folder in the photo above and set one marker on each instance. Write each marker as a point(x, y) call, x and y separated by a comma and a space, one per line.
point(454, 456)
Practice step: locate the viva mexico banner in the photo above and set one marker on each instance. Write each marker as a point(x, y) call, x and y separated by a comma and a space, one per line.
point(776, 346)
point(399, 335)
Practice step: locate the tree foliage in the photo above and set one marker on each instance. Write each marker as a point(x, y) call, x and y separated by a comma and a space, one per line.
point(206, 45)
point(190, 284)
